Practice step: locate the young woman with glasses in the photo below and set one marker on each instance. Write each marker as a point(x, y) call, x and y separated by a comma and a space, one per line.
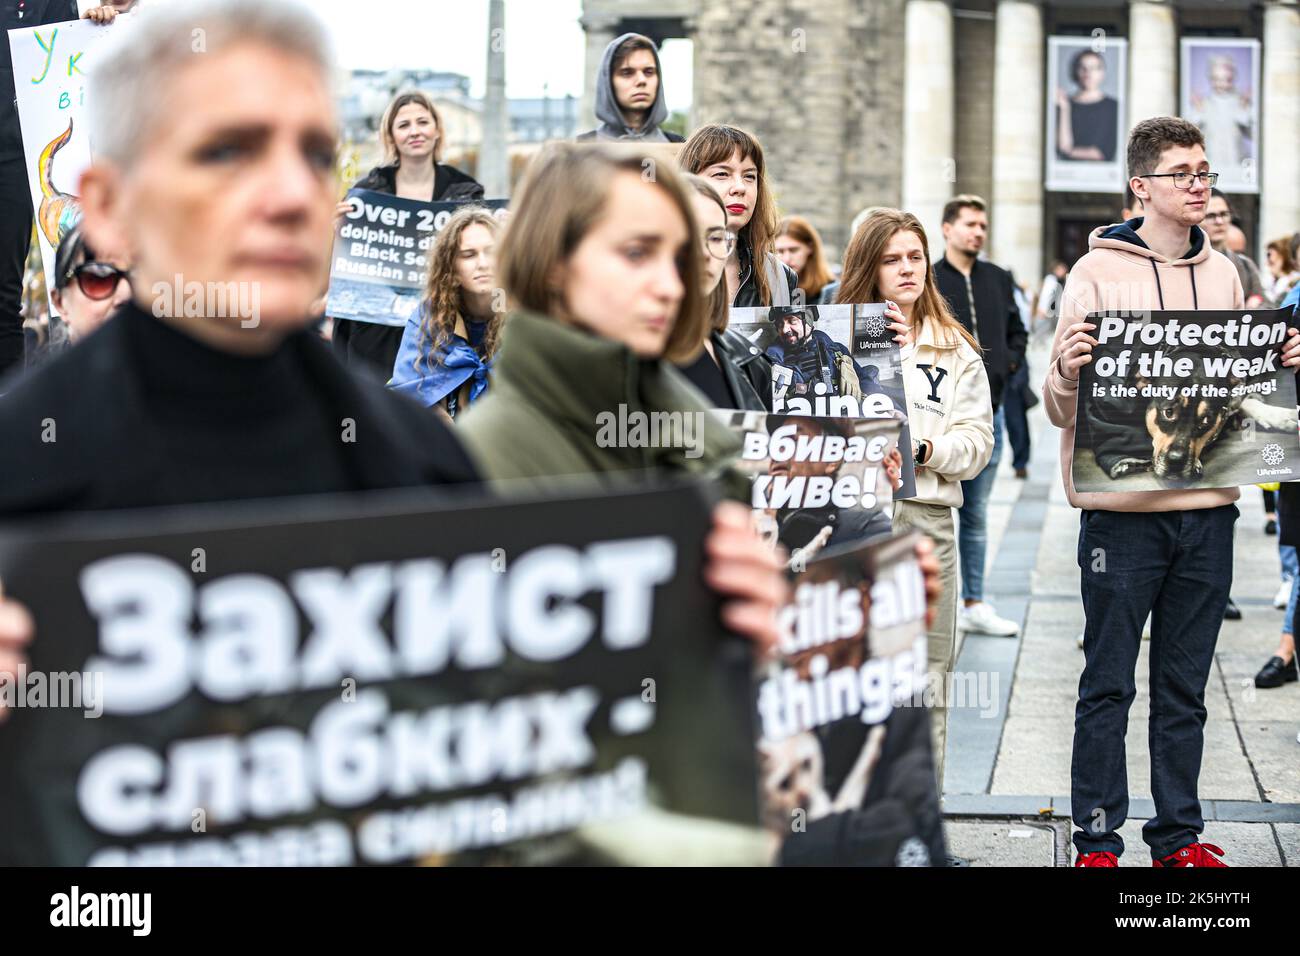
point(728, 370)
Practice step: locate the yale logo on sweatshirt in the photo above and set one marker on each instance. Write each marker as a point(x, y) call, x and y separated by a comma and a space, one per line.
point(103, 909)
point(934, 375)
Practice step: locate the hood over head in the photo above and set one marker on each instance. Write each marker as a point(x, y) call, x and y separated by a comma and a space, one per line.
point(613, 125)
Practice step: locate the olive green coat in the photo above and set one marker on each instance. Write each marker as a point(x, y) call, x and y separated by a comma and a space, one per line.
point(559, 406)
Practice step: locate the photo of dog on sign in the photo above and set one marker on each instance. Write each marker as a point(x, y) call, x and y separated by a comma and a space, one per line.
point(1184, 400)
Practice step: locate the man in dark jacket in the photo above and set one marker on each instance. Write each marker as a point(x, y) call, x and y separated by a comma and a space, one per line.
point(982, 296)
point(15, 199)
point(630, 101)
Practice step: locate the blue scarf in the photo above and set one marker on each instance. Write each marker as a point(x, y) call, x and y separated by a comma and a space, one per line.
point(439, 374)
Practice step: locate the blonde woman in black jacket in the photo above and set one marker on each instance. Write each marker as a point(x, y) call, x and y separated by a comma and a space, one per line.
point(411, 133)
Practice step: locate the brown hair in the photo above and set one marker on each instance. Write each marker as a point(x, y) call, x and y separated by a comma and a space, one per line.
point(1283, 249)
point(443, 299)
point(564, 192)
point(953, 207)
point(419, 98)
point(815, 274)
point(716, 144)
point(629, 46)
point(717, 306)
point(860, 281)
point(1151, 137)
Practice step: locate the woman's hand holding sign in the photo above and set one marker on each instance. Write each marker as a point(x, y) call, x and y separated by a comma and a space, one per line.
point(898, 325)
point(742, 568)
point(1076, 350)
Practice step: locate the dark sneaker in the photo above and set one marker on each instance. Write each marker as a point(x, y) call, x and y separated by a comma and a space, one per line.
point(1231, 612)
point(1276, 673)
point(1194, 854)
point(1097, 858)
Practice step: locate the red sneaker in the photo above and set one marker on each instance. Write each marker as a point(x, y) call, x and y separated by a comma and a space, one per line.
point(1194, 854)
point(1097, 858)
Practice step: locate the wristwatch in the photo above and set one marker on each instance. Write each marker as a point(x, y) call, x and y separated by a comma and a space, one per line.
point(918, 449)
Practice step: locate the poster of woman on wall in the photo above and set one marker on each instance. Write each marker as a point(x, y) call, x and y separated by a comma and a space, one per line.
point(1220, 94)
point(1085, 113)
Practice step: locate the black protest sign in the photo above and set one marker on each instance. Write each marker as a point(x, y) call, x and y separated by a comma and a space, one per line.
point(1186, 400)
point(382, 683)
point(844, 746)
point(832, 360)
point(816, 482)
point(381, 250)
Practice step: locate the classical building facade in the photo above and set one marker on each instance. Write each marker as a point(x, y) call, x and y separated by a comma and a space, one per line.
point(908, 102)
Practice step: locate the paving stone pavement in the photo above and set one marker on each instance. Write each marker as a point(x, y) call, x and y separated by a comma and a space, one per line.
point(1009, 749)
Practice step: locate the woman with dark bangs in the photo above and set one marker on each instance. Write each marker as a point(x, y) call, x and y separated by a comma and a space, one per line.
point(449, 343)
point(732, 160)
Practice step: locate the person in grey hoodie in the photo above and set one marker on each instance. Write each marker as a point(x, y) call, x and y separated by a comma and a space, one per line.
point(630, 93)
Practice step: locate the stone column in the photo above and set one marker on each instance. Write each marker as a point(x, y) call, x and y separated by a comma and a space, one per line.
point(1152, 61)
point(929, 166)
point(1279, 206)
point(601, 31)
point(494, 155)
point(1016, 218)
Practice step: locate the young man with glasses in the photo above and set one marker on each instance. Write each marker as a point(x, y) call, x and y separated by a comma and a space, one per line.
point(1169, 552)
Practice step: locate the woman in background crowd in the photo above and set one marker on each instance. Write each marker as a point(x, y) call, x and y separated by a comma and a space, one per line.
point(949, 408)
point(411, 134)
point(800, 247)
point(87, 288)
point(1282, 271)
point(449, 343)
point(730, 372)
point(732, 160)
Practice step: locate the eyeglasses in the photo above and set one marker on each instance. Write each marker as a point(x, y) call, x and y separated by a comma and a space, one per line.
point(1218, 217)
point(97, 280)
point(719, 242)
point(1183, 180)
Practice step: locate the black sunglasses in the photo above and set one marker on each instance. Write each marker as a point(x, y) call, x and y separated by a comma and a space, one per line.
point(97, 280)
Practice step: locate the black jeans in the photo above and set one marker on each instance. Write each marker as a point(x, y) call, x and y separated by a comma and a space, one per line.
point(15, 236)
point(1178, 566)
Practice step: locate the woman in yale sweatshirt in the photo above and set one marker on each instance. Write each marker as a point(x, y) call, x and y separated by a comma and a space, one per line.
point(949, 408)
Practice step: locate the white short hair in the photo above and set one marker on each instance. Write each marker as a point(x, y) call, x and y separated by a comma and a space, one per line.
point(134, 68)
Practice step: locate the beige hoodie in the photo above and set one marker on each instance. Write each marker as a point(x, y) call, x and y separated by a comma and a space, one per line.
point(948, 403)
point(1119, 274)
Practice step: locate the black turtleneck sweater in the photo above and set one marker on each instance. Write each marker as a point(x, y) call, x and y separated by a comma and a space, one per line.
point(140, 414)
